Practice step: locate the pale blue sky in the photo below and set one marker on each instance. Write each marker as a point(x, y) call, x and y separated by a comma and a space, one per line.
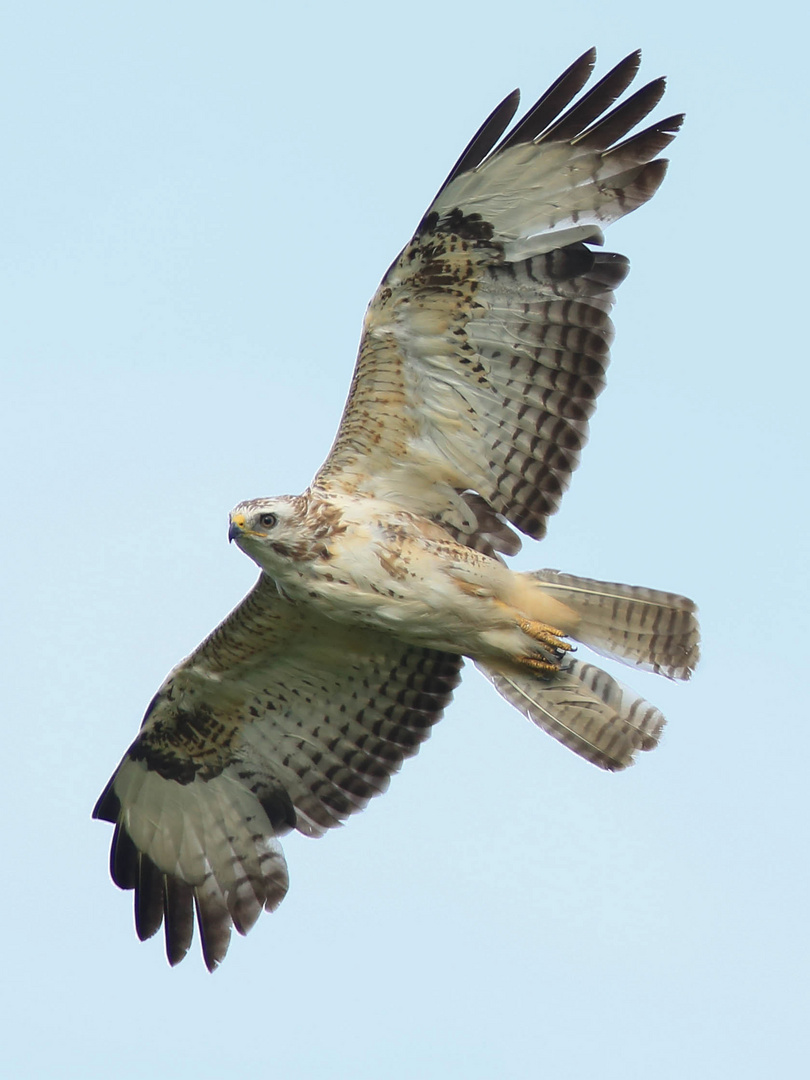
point(198, 201)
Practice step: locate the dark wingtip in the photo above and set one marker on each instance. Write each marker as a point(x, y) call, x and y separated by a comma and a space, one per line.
point(123, 859)
point(108, 806)
point(148, 899)
point(484, 139)
point(212, 955)
point(588, 57)
point(652, 175)
point(178, 903)
point(214, 922)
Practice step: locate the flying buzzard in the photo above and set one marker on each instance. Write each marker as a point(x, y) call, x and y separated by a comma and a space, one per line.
point(482, 354)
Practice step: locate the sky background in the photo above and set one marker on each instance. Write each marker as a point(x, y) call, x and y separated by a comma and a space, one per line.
point(198, 200)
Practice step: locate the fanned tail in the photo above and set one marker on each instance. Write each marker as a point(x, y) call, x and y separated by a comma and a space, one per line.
point(584, 708)
point(645, 628)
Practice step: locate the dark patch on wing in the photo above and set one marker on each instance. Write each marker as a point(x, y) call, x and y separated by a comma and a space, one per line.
point(456, 223)
point(563, 264)
point(194, 742)
point(165, 761)
point(278, 806)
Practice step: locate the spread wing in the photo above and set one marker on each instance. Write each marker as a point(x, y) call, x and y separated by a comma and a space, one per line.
point(486, 344)
point(279, 720)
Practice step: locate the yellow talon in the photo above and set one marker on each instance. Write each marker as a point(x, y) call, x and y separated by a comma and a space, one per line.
point(552, 646)
point(546, 635)
point(541, 666)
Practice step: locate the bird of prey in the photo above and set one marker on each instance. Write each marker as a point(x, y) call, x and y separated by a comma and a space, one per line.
point(481, 358)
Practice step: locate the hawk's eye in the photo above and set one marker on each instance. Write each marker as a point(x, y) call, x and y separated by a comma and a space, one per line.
point(267, 521)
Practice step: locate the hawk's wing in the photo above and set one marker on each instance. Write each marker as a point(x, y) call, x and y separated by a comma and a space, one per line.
point(485, 346)
point(279, 720)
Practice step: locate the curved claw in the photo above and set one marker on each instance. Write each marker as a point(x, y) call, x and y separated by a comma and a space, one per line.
point(542, 667)
point(552, 642)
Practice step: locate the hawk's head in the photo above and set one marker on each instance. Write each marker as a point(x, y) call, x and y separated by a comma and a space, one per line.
point(273, 532)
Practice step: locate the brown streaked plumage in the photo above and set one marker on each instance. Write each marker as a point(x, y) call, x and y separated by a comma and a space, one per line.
point(482, 355)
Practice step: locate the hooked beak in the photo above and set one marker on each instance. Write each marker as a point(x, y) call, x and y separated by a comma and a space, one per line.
point(236, 526)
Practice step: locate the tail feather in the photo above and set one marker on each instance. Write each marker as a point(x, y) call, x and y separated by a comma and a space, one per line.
point(584, 708)
point(654, 630)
